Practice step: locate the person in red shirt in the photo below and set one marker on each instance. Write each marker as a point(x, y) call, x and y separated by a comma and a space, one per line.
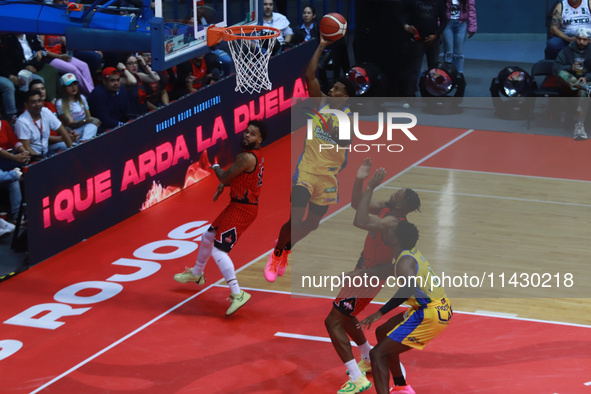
point(12, 151)
point(245, 178)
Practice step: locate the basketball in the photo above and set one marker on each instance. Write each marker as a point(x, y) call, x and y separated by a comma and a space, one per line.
point(333, 26)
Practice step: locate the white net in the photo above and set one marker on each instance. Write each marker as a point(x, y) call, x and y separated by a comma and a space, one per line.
point(251, 59)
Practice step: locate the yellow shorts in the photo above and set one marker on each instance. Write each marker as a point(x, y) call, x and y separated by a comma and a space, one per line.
point(421, 325)
point(324, 189)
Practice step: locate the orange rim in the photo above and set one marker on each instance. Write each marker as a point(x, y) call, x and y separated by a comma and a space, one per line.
point(216, 34)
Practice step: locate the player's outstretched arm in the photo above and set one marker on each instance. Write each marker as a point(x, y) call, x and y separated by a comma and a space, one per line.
point(362, 174)
point(363, 219)
point(311, 80)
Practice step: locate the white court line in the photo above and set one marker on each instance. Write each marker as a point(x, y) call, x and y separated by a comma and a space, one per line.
point(210, 286)
point(506, 174)
point(571, 204)
point(587, 384)
point(307, 337)
point(500, 315)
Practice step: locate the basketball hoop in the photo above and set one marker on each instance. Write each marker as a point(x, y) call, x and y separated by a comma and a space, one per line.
point(251, 48)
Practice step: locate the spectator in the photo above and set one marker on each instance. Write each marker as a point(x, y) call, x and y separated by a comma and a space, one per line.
point(137, 89)
point(425, 20)
point(309, 28)
point(573, 69)
point(12, 151)
point(10, 180)
point(55, 137)
point(27, 52)
point(72, 109)
point(277, 21)
point(32, 128)
point(108, 102)
point(157, 93)
point(567, 17)
point(65, 63)
point(461, 23)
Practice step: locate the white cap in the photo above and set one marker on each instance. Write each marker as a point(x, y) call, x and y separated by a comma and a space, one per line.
point(68, 79)
point(583, 32)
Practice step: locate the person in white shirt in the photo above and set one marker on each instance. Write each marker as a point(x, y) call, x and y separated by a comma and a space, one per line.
point(72, 109)
point(278, 21)
point(34, 125)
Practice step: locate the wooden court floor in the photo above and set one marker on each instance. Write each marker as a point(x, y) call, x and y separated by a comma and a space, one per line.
point(474, 222)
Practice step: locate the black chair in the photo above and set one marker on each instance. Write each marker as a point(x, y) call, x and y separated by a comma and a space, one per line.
point(546, 85)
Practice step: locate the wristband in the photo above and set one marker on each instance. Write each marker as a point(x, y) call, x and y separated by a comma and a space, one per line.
point(213, 167)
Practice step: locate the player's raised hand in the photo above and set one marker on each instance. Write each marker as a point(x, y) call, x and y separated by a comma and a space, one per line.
point(368, 321)
point(363, 171)
point(377, 178)
point(219, 191)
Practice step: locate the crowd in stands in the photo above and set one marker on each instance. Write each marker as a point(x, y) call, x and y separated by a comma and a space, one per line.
point(54, 98)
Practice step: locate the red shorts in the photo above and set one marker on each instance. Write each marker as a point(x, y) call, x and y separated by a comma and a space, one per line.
point(352, 300)
point(231, 223)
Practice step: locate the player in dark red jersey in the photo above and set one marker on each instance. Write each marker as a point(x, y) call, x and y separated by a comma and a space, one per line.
point(245, 178)
point(381, 246)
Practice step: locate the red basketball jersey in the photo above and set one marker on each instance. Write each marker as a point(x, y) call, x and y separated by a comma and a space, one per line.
point(375, 251)
point(246, 187)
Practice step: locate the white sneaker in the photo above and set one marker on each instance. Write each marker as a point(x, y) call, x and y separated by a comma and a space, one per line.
point(580, 132)
point(6, 227)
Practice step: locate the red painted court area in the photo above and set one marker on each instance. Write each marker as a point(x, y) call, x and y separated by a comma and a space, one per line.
point(123, 325)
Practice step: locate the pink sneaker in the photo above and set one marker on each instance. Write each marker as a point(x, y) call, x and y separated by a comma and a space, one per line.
point(283, 265)
point(272, 266)
point(402, 389)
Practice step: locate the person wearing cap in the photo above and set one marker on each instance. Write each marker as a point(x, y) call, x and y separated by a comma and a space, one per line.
point(72, 109)
point(108, 102)
point(572, 68)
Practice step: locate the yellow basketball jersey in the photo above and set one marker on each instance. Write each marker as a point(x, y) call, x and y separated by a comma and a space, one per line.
point(317, 158)
point(428, 286)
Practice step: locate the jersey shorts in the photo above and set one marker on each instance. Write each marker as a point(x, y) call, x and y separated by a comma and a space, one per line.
point(352, 300)
point(231, 223)
point(324, 189)
point(421, 325)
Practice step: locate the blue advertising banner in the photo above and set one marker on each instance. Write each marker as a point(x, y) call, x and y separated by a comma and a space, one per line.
point(84, 190)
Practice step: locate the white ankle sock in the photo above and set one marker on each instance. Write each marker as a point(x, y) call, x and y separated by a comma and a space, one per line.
point(354, 372)
point(365, 348)
point(226, 267)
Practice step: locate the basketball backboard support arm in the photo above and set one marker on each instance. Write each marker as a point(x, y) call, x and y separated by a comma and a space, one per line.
point(175, 38)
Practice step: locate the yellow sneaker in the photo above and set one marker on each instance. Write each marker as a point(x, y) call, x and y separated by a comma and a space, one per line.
point(357, 386)
point(364, 366)
point(188, 276)
point(238, 301)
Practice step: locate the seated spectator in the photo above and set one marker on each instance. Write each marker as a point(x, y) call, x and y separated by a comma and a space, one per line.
point(277, 21)
point(55, 46)
point(573, 69)
point(55, 137)
point(32, 128)
point(108, 102)
point(12, 151)
point(567, 17)
point(27, 52)
point(10, 180)
point(309, 28)
point(137, 89)
point(72, 109)
point(188, 77)
point(157, 93)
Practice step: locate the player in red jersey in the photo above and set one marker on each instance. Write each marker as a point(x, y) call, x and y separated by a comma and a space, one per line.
point(381, 246)
point(245, 178)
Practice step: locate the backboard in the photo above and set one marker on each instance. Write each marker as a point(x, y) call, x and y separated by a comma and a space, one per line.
point(179, 29)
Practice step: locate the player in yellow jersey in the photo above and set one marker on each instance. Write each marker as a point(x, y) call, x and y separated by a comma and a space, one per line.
point(314, 184)
point(429, 314)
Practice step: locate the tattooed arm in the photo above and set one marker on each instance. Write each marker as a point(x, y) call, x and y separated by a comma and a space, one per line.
point(555, 22)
